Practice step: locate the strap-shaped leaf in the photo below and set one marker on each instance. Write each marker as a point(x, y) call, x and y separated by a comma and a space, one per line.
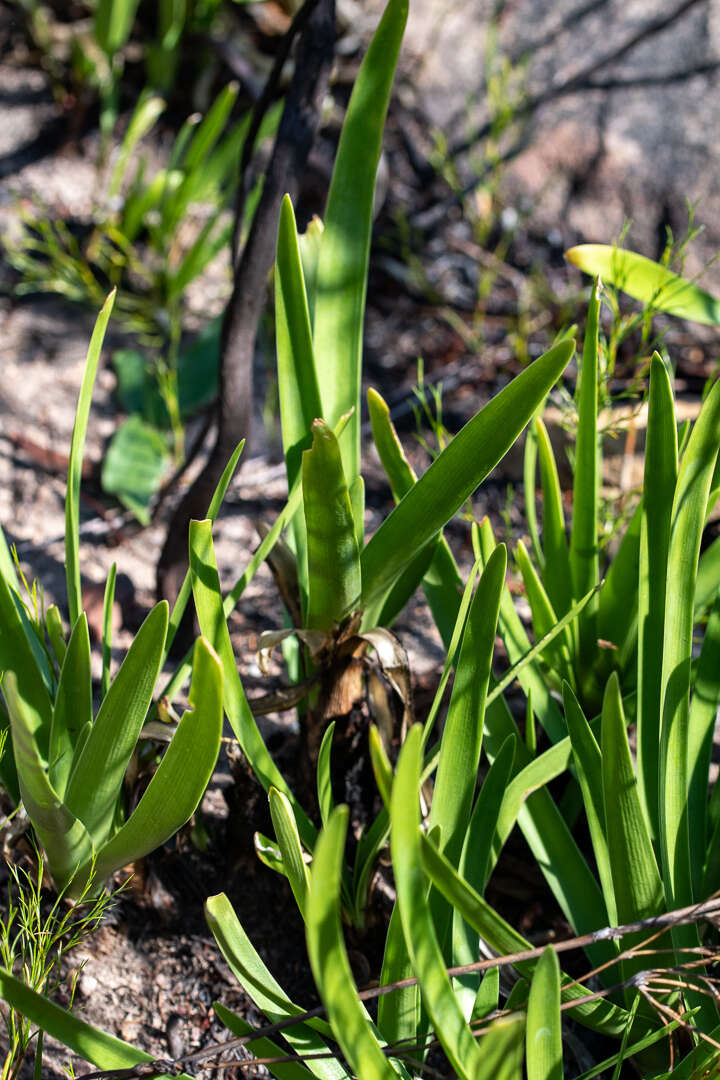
point(108, 601)
point(543, 1035)
point(586, 484)
point(588, 764)
point(329, 960)
point(7, 564)
point(209, 607)
point(345, 242)
point(600, 1015)
point(77, 445)
point(556, 573)
point(288, 840)
point(64, 838)
point(17, 655)
point(646, 281)
point(73, 705)
point(299, 394)
point(186, 588)
point(55, 633)
point(97, 774)
point(658, 491)
point(475, 862)
point(261, 1048)
point(427, 958)
point(688, 519)
point(638, 888)
point(332, 549)
point(462, 735)
point(530, 455)
point(456, 473)
point(617, 599)
point(297, 381)
point(701, 727)
point(475, 868)
point(324, 779)
point(179, 783)
point(252, 974)
point(544, 616)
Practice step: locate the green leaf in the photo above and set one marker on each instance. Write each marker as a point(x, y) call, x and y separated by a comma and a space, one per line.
point(530, 676)
point(333, 557)
point(544, 617)
point(324, 779)
point(475, 868)
point(597, 1014)
point(501, 1047)
point(462, 736)
point(17, 655)
point(638, 888)
point(112, 23)
point(288, 840)
point(297, 382)
point(148, 109)
point(427, 959)
point(73, 706)
point(543, 1037)
point(77, 446)
point(441, 581)
point(658, 491)
point(209, 607)
point(477, 848)
point(647, 281)
point(179, 782)
point(261, 1048)
point(530, 455)
point(213, 510)
point(345, 242)
point(617, 599)
point(556, 566)
point(98, 770)
point(588, 763)
point(455, 474)
point(329, 961)
point(135, 463)
point(265, 991)
point(688, 518)
point(108, 601)
point(701, 727)
point(56, 633)
point(586, 484)
point(7, 564)
point(64, 838)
